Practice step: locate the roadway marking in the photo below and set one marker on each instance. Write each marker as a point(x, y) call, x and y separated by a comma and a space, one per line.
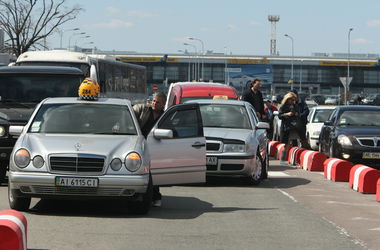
point(287, 195)
point(352, 204)
point(277, 174)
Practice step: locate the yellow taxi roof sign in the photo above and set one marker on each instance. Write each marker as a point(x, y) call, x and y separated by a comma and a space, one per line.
point(220, 97)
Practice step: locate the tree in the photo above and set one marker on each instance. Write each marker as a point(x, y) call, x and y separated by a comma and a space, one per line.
point(28, 22)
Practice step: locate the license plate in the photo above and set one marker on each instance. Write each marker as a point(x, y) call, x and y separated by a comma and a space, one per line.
point(211, 160)
point(76, 182)
point(371, 155)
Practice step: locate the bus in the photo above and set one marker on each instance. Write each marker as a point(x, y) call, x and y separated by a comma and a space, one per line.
point(116, 79)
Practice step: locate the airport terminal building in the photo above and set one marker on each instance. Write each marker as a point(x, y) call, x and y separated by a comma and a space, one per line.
point(319, 73)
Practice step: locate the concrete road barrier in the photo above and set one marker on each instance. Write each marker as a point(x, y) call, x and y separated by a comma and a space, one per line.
point(312, 160)
point(272, 145)
point(297, 156)
point(291, 157)
point(364, 179)
point(378, 190)
point(337, 169)
point(13, 230)
point(280, 148)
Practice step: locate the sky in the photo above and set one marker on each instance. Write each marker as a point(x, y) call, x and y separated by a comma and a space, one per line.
point(238, 27)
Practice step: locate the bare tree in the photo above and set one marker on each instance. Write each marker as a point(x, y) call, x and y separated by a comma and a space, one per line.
point(28, 22)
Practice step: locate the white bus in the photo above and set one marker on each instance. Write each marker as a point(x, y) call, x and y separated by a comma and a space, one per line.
point(116, 79)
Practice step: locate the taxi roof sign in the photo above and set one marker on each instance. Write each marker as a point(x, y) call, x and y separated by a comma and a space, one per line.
point(220, 97)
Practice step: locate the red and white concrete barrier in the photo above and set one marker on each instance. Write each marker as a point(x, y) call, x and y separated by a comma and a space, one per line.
point(364, 179)
point(291, 156)
point(13, 230)
point(272, 148)
point(297, 156)
point(378, 190)
point(312, 160)
point(337, 169)
point(280, 148)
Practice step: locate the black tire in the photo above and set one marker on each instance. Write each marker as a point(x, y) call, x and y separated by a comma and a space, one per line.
point(16, 202)
point(257, 176)
point(143, 206)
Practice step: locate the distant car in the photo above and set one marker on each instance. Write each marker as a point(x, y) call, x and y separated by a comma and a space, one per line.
point(317, 116)
point(318, 98)
point(236, 141)
point(332, 100)
point(310, 103)
point(80, 149)
point(353, 133)
point(181, 92)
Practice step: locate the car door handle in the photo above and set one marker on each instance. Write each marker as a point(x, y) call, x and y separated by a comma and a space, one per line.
point(198, 144)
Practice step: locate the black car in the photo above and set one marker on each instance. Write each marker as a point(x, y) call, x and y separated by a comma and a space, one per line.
point(21, 89)
point(353, 133)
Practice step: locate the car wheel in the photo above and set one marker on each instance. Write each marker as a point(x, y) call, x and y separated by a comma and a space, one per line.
point(257, 175)
point(143, 206)
point(17, 203)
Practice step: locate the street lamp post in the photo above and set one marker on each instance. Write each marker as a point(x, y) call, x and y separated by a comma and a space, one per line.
point(301, 76)
point(84, 37)
point(196, 60)
point(75, 34)
point(203, 53)
point(348, 67)
point(291, 74)
point(61, 34)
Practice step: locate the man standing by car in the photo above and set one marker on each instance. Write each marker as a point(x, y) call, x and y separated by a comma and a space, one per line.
point(148, 114)
point(303, 112)
point(254, 96)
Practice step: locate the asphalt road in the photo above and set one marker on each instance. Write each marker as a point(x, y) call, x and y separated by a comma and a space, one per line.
point(293, 209)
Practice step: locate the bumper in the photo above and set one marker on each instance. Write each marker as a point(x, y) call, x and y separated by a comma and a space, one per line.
point(355, 155)
point(232, 165)
point(42, 185)
point(314, 143)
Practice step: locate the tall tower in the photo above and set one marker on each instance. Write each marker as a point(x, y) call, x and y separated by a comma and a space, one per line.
point(273, 20)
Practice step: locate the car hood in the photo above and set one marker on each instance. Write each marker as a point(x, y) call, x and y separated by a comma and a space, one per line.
point(227, 133)
point(359, 130)
point(16, 114)
point(91, 144)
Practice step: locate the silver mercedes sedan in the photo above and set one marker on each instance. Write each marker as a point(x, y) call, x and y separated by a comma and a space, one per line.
point(73, 148)
point(236, 140)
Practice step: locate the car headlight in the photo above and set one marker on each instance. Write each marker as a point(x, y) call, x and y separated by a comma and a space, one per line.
point(234, 148)
point(38, 161)
point(133, 161)
point(116, 164)
point(344, 140)
point(22, 158)
point(2, 131)
point(315, 133)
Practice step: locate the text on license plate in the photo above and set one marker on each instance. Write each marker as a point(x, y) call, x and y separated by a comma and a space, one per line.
point(371, 155)
point(211, 160)
point(76, 182)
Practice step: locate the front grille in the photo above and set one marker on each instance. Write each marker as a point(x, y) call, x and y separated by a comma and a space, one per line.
point(211, 146)
point(231, 167)
point(77, 164)
point(211, 167)
point(369, 141)
point(74, 191)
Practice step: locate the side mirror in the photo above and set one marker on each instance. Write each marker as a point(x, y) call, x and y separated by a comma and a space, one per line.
point(275, 112)
point(160, 133)
point(16, 130)
point(262, 125)
point(328, 123)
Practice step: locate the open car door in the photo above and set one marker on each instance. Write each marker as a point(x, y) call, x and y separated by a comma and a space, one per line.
point(178, 147)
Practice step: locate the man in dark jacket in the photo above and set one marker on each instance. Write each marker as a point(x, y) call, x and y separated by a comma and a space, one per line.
point(254, 96)
point(148, 115)
point(303, 112)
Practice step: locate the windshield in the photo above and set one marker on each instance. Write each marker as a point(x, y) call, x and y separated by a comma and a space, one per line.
point(83, 119)
point(225, 116)
point(34, 88)
point(360, 118)
point(321, 115)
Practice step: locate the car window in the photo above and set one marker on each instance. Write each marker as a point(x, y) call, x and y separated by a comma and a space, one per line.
point(83, 119)
point(321, 115)
point(183, 123)
point(359, 118)
point(253, 113)
point(225, 116)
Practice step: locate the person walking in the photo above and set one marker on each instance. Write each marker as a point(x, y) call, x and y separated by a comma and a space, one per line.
point(289, 116)
point(269, 116)
point(303, 113)
point(254, 96)
point(147, 115)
